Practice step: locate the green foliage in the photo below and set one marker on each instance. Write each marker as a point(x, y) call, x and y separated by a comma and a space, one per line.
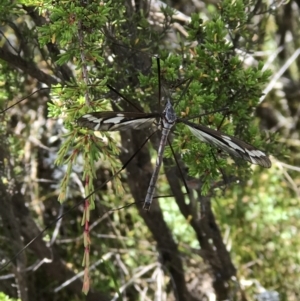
point(4, 297)
point(222, 83)
point(259, 223)
point(103, 44)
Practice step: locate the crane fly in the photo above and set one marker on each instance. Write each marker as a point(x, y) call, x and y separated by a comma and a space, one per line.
point(123, 121)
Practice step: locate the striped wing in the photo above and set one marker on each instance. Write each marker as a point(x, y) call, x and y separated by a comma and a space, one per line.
point(116, 121)
point(229, 144)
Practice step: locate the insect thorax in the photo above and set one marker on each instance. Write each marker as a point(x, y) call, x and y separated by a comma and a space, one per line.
point(169, 114)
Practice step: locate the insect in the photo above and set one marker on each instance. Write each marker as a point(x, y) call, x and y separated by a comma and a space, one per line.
point(122, 121)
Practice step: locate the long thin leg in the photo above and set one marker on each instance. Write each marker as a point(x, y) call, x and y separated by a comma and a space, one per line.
point(180, 171)
point(76, 205)
point(122, 96)
point(204, 114)
point(189, 80)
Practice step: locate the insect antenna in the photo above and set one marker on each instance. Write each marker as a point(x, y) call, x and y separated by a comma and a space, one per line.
point(159, 80)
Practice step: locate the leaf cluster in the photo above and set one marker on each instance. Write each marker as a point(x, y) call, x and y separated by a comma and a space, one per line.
point(76, 48)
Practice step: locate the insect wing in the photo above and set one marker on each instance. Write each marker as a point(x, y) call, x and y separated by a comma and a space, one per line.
point(229, 144)
point(116, 121)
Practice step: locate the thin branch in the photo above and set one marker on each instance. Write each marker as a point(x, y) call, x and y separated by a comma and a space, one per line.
point(27, 67)
point(279, 74)
point(85, 73)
